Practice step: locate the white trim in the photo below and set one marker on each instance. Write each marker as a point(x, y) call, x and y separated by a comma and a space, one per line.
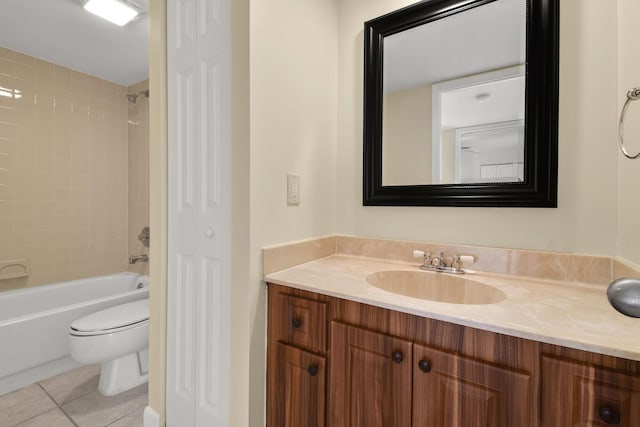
point(150, 417)
point(478, 128)
point(437, 90)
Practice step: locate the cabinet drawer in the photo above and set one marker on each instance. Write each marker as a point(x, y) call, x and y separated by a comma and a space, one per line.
point(304, 322)
point(579, 394)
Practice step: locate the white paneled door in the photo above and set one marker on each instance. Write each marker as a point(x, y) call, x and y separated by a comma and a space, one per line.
point(199, 213)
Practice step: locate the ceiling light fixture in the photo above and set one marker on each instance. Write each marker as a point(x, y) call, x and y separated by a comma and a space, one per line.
point(118, 12)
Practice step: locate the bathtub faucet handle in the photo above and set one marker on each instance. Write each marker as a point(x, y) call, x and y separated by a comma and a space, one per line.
point(144, 236)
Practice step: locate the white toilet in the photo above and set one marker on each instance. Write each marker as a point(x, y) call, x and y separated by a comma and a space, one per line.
point(117, 337)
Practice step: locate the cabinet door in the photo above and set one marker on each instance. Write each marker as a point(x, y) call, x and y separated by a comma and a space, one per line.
point(581, 395)
point(299, 395)
point(369, 379)
point(454, 391)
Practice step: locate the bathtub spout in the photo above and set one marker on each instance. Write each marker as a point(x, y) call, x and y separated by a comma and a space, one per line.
point(135, 258)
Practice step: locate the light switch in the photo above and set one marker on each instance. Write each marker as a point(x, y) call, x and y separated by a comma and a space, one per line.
point(293, 189)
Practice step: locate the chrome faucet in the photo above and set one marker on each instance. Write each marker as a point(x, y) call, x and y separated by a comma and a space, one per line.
point(135, 258)
point(439, 263)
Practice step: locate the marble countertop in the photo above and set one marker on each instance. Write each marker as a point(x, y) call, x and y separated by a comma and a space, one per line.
point(567, 314)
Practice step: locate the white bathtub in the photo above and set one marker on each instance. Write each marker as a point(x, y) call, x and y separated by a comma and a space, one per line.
point(34, 323)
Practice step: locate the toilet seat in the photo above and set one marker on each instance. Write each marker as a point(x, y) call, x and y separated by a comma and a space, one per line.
point(112, 320)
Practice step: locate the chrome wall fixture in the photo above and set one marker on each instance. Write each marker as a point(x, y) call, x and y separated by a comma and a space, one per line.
point(133, 97)
point(144, 236)
point(632, 95)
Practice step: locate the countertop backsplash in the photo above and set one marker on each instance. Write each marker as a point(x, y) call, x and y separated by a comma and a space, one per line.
point(556, 266)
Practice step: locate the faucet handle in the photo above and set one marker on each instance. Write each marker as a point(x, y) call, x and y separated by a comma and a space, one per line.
point(422, 254)
point(455, 261)
point(426, 256)
point(467, 259)
point(458, 260)
point(438, 261)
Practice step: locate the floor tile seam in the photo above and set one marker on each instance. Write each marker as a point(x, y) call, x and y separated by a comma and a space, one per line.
point(118, 419)
point(126, 414)
point(35, 416)
point(38, 414)
point(75, 398)
point(58, 405)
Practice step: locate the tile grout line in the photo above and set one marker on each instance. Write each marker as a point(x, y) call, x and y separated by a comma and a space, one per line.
point(37, 415)
point(118, 419)
point(128, 413)
point(58, 405)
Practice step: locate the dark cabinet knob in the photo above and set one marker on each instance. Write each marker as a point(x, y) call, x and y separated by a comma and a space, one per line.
point(396, 356)
point(296, 323)
point(424, 365)
point(313, 370)
point(609, 415)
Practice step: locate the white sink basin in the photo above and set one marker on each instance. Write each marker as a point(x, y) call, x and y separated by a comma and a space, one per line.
point(439, 287)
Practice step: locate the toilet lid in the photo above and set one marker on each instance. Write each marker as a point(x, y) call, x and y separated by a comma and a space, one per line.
point(114, 317)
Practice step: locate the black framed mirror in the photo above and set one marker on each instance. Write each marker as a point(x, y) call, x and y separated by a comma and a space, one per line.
point(478, 126)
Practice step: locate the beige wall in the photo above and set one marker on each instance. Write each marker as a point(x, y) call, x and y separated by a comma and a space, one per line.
point(158, 194)
point(138, 166)
point(585, 220)
point(629, 170)
point(293, 103)
point(406, 136)
point(246, 395)
point(448, 155)
point(63, 171)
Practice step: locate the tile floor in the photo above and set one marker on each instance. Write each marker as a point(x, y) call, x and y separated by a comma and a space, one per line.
point(72, 399)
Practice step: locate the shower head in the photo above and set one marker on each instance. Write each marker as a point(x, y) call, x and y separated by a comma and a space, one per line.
point(133, 97)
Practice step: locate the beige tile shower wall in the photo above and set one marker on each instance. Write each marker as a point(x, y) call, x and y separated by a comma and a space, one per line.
point(63, 171)
point(138, 173)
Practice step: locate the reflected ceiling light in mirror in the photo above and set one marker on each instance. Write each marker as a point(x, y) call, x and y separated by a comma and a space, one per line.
point(10, 93)
point(117, 12)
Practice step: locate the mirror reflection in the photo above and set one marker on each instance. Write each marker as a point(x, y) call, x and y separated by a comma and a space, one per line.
point(454, 99)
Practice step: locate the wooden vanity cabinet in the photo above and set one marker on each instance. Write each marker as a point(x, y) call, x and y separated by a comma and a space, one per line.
point(370, 378)
point(378, 380)
point(452, 390)
point(582, 394)
point(382, 368)
point(296, 362)
point(372, 366)
point(300, 392)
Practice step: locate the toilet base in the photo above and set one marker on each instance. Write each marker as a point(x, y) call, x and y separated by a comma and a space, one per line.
point(124, 373)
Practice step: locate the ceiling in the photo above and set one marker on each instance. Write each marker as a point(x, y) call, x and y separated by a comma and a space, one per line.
point(488, 37)
point(504, 102)
point(62, 32)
